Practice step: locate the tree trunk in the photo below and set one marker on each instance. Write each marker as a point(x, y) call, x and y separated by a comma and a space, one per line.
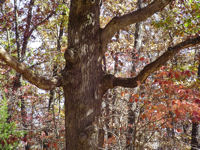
point(194, 141)
point(82, 76)
point(194, 135)
point(131, 113)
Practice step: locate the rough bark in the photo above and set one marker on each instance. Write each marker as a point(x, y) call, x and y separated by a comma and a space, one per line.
point(194, 141)
point(82, 76)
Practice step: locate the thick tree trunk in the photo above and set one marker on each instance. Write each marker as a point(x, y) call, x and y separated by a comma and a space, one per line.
point(82, 76)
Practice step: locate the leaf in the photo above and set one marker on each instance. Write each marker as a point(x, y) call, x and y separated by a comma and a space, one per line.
point(177, 113)
point(197, 101)
point(179, 130)
point(187, 23)
point(135, 95)
point(177, 75)
point(190, 1)
point(131, 100)
point(142, 58)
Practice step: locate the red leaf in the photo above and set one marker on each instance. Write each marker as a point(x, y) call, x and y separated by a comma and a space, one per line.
point(197, 101)
point(177, 75)
point(179, 130)
point(142, 58)
point(131, 100)
point(177, 113)
point(55, 145)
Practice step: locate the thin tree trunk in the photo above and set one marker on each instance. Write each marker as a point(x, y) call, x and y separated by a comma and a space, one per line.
point(52, 92)
point(194, 141)
point(131, 114)
point(60, 34)
point(195, 126)
point(17, 82)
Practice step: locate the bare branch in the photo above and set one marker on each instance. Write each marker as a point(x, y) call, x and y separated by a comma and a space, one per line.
point(28, 24)
point(16, 29)
point(40, 82)
point(43, 21)
point(111, 81)
point(142, 14)
point(28, 33)
point(36, 64)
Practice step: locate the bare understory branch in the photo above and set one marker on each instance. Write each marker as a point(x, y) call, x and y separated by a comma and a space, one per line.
point(40, 82)
point(26, 32)
point(112, 81)
point(42, 22)
point(118, 23)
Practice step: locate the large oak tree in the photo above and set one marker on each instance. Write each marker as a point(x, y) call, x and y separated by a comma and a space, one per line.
point(83, 80)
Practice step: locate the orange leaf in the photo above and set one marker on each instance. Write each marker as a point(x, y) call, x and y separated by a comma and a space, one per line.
point(135, 95)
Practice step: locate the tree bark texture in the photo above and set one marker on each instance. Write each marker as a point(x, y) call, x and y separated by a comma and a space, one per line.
point(82, 75)
point(195, 126)
point(194, 141)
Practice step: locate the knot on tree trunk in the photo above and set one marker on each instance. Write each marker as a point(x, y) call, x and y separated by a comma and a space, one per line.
point(107, 82)
point(71, 55)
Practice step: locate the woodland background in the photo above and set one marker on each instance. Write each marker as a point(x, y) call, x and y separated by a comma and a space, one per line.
point(163, 113)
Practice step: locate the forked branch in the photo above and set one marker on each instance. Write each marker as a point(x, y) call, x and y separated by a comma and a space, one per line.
point(39, 81)
point(112, 81)
point(118, 23)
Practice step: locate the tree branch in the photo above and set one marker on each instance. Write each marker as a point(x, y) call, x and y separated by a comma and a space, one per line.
point(111, 81)
point(26, 32)
point(142, 14)
point(43, 21)
point(16, 30)
point(40, 82)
